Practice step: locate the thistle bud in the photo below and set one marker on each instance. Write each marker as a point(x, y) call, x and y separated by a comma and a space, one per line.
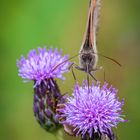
point(46, 97)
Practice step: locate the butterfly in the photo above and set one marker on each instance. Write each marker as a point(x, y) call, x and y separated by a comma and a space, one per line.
point(88, 55)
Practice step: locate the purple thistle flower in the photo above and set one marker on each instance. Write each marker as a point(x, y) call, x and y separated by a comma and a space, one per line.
point(40, 65)
point(92, 111)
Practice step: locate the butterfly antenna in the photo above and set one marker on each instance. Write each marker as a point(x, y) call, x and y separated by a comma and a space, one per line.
point(109, 59)
point(64, 62)
point(72, 70)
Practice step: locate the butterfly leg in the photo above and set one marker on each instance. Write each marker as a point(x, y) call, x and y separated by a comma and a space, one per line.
point(74, 65)
point(100, 68)
point(71, 68)
point(92, 76)
point(79, 68)
point(104, 74)
point(88, 72)
point(93, 70)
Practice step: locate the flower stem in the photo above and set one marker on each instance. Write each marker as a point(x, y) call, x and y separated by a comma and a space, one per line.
point(59, 135)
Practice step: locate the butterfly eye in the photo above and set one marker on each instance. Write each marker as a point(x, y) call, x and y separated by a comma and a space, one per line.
point(84, 57)
point(89, 58)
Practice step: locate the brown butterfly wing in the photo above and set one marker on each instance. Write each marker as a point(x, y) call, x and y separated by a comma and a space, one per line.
point(92, 25)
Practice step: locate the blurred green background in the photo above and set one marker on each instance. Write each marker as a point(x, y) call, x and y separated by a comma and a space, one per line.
point(27, 24)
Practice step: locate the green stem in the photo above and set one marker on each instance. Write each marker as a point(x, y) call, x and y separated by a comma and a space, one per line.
point(59, 135)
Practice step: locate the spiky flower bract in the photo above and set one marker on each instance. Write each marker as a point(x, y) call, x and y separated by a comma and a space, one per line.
point(40, 65)
point(43, 67)
point(92, 111)
point(46, 98)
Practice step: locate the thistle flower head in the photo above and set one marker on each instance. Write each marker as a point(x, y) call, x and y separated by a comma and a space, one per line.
point(42, 64)
point(92, 110)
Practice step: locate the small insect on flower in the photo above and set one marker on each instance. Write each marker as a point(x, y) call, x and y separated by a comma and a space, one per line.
point(43, 66)
point(92, 112)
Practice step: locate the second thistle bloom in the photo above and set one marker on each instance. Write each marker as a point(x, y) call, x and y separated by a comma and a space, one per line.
point(92, 111)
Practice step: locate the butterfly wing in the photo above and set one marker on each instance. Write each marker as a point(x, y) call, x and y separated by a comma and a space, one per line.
point(92, 25)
